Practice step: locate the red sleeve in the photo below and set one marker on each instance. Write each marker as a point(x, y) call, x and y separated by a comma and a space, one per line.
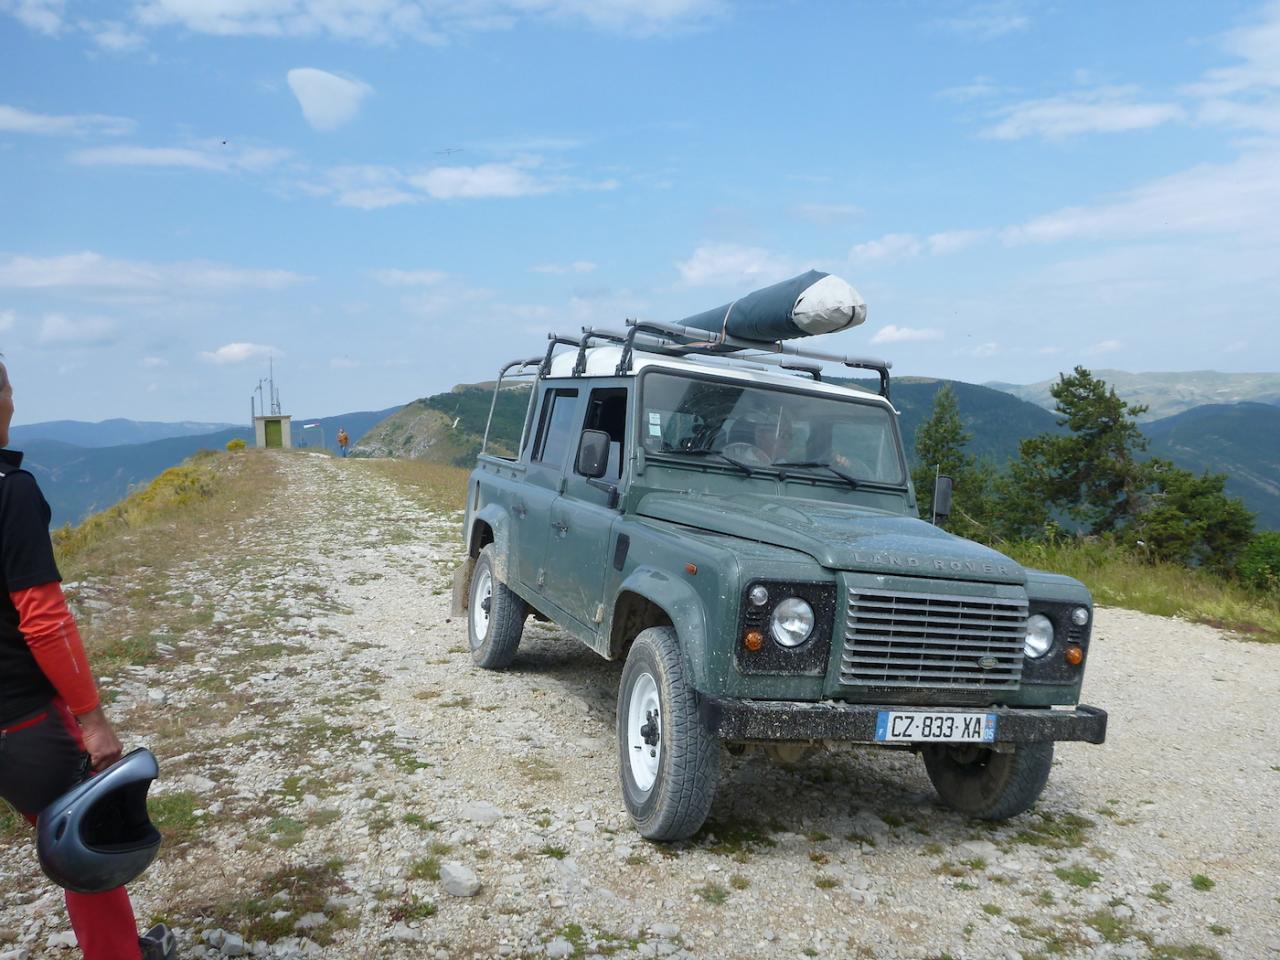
point(50, 632)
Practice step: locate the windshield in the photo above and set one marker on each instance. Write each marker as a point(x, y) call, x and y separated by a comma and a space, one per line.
point(767, 427)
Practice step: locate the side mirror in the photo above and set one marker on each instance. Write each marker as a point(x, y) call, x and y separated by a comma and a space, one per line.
point(941, 500)
point(593, 454)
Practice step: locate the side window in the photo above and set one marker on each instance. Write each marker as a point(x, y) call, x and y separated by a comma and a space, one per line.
point(607, 411)
point(554, 432)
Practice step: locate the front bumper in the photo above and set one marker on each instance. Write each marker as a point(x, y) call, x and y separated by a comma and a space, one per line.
point(765, 720)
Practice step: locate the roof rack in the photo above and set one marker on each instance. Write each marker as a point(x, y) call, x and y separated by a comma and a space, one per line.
point(691, 340)
point(673, 348)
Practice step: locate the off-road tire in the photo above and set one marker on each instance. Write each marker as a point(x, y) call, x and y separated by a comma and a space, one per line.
point(505, 621)
point(688, 766)
point(986, 784)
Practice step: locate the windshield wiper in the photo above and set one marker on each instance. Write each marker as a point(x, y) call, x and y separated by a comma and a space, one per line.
point(703, 452)
point(848, 478)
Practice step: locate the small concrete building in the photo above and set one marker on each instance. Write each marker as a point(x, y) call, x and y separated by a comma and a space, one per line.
point(274, 431)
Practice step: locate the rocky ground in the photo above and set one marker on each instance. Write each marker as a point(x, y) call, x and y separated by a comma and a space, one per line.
point(338, 781)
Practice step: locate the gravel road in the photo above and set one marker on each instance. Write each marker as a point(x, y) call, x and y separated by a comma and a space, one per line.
point(341, 782)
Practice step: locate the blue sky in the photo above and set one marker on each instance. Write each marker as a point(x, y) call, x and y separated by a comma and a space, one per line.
point(393, 196)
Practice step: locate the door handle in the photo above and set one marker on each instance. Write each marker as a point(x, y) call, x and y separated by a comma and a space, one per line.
point(560, 528)
point(520, 510)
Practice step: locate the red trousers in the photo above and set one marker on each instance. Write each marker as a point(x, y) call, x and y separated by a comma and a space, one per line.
point(40, 757)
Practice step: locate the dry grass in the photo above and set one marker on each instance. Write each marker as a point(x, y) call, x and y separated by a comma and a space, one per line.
point(439, 486)
point(1117, 579)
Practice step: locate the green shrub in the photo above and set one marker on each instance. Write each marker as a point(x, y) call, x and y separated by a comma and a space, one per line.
point(1259, 563)
point(236, 443)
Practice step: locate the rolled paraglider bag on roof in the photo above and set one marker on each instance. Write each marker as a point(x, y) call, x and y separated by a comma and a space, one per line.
point(804, 306)
point(97, 836)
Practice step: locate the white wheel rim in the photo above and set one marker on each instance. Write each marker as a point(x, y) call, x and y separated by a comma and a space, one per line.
point(644, 732)
point(480, 604)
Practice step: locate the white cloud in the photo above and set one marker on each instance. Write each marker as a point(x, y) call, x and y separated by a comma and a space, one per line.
point(1257, 46)
point(7, 319)
point(1101, 110)
point(409, 278)
point(17, 120)
point(981, 351)
point(114, 36)
point(576, 266)
point(343, 363)
point(896, 334)
point(153, 363)
point(888, 249)
point(238, 352)
point(365, 187)
point(56, 328)
point(824, 213)
point(953, 241)
point(1240, 196)
point(384, 20)
point(988, 21)
point(43, 16)
point(727, 264)
point(214, 156)
point(1104, 346)
point(328, 101)
point(979, 88)
point(486, 180)
point(89, 272)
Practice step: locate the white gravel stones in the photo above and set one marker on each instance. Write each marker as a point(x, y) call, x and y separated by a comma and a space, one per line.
point(459, 880)
point(559, 948)
point(233, 946)
point(481, 812)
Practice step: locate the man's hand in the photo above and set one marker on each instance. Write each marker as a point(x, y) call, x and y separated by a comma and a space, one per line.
point(100, 740)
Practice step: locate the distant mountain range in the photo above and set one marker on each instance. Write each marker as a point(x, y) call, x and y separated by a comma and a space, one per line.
point(1241, 439)
point(81, 478)
point(108, 433)
point(1166, 393)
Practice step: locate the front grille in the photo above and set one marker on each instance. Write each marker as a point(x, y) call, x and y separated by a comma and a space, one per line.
point(928, 640)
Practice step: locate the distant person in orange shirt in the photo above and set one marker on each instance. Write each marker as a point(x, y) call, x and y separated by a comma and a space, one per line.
point(343, 440)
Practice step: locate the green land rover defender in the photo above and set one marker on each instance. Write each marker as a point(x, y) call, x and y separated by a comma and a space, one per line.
point(746, 537)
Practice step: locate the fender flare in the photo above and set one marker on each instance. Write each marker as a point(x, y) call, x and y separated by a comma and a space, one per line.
point(495, 516)
point(682, 605)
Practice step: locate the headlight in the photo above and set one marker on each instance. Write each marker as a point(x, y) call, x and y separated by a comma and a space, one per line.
point(1080, 616)
point(758, 596)
point(1039, 636)
point(792, 622)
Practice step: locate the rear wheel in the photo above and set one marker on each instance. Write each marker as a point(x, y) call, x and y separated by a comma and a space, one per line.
point(495, 618)
point(987, 784)
point(668, 762)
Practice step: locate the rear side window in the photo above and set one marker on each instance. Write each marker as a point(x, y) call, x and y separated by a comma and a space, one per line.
point(555, 429)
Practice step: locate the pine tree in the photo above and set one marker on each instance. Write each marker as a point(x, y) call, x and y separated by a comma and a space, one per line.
point(1093, 473)
point(940, 443)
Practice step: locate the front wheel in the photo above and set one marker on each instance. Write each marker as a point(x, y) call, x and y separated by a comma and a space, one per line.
point(986, 784)
point(495, 617)
point(668, 762)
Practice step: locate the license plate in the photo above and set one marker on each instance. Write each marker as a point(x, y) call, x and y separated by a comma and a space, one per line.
point(897, 725)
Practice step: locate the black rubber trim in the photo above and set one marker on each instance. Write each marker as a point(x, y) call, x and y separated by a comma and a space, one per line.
point(790, 720)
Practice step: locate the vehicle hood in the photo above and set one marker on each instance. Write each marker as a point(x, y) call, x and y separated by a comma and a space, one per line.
point(839, 536)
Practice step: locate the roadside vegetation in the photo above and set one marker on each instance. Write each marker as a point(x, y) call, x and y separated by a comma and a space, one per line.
point(117, 562)
point(438, 486)
point(1140, 532)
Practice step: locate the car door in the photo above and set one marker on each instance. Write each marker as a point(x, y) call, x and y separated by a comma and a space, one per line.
point(549, 450)
point(583, 516)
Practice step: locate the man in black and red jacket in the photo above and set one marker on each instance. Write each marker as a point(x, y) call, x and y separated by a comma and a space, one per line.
point(50, 714)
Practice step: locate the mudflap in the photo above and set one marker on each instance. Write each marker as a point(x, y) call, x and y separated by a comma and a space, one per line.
point(462, 587)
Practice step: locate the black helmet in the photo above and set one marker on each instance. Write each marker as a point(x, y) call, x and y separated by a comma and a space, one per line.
point(97, 836)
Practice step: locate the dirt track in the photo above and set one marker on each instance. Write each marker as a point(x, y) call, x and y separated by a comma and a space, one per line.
point(352, 727)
